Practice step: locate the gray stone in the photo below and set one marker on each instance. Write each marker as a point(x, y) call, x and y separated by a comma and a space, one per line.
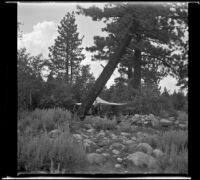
point(54, 133)
point(145, 148)
point(90, 130)
point(77, 136)
point(134, 138)
point(114, 151)
point(113, 136)
point(117, 165)
point(101, 133)
point(184, 126)
point(99, 150)
point(117, 145)
point(119, 160)
point(95, 158)
point(154, 122)
point(125, 134)
point(106, 154)
point(172, 118)
point(157, 153)
point(165, 122)
point(141, 159)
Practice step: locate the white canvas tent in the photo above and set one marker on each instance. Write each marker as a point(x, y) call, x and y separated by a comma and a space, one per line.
point(103, 102)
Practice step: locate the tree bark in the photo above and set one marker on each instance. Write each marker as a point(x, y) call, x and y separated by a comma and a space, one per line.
point(136, 82)
point(105, 75)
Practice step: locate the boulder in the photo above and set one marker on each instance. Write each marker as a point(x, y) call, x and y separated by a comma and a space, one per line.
point(172, 119)
point(113, 136)
point(101, 133)
point(125, 134)
point(117, 145)
point(114, 151)
point(184, 126)
point(77, 137)
point(165, 122)
point(145, 148)
point(119, 160)
point(54, 133)
point(105, 154)
point(157, 153)
point(117, 165)
point(141, 159)
point(90, 130)
point(95, 158)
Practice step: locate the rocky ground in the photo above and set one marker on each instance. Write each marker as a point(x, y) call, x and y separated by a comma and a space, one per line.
point(115, 151)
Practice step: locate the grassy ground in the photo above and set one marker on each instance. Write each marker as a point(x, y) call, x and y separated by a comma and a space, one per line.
point(37, 152)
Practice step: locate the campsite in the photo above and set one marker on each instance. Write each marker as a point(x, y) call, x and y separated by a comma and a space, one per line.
point(102, 88)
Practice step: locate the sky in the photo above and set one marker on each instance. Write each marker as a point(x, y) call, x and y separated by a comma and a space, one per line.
point(39, 27)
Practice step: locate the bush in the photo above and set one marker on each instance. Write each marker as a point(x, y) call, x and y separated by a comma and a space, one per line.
point(182, 116)
point(103, 123)
point(43, 120)
point(41, 153)
point(175, 146)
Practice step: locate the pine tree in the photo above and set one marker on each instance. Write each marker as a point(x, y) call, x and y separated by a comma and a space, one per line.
point(149, 24)
point(66, 54)
point(159, 33)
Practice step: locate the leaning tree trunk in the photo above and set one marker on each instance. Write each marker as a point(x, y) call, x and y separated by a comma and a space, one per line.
point(136, 82)
point(105, 75)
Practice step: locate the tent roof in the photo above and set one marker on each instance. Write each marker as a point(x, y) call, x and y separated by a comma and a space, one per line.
point(103, 102)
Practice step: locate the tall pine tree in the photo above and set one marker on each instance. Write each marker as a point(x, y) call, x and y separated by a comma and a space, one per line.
point(66, 54)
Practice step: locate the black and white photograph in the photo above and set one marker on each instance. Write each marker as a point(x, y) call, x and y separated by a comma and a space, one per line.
point(102, 88)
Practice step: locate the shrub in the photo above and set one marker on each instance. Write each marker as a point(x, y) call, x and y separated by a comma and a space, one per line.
point(125, 127)
point(182, 116)
point(39, 152)
point(43, 120)
point(170, 138)
point(175, 146)
point(103, 123)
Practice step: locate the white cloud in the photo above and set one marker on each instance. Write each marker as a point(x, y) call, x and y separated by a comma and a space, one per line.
point(40, 38)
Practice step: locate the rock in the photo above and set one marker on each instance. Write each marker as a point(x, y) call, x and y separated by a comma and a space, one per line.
point(133, 138)
point(106, 154)
point(118, 146)
point(90, 130)
point(88, 126)
point(114, 151)
point(172, 119)
point(103, 142)
point(99, 150)
point(89, 145)
point(142, 135)
point(176, 122)
point(165, 122)
point(184, 126)
point(54, 133)
point(157, 153)
point(77, 137)
point(95, 158)
point(101, 133)
point(113, 136)
point(119, 160)
point(154, 122)
point(141, 159)
point(145, 148)
point(129, 142)
point(117, 165)
point(125, 134)
point(88, 141)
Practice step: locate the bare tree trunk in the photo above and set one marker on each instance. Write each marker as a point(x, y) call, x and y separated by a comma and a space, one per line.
point(105, 75)
point(136, 82)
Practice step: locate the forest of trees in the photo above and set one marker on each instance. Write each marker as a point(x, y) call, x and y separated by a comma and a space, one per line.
point(142, 41)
